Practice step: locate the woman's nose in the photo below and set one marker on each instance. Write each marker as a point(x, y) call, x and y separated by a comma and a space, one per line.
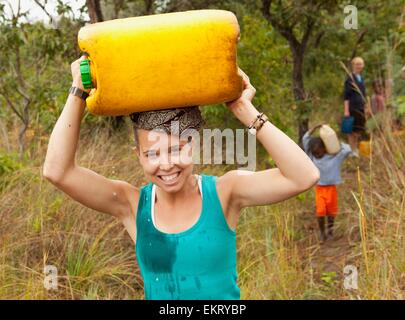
point(165, 163)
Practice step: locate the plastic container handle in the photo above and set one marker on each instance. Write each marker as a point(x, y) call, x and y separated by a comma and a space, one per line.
point(85, 73)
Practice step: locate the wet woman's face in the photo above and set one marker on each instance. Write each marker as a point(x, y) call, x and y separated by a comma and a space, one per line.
point(166, 159)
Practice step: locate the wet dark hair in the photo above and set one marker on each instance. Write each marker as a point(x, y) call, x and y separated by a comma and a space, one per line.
point(317, 147)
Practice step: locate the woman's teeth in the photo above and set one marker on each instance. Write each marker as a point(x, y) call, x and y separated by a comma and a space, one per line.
point(171, 177)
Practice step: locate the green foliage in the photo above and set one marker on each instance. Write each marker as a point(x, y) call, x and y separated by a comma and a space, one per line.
point(328, 277)
point(9, 163)
point(400, 107)
point(373, 122)
point(79, 263)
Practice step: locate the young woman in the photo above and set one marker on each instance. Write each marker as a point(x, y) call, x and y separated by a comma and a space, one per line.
point(183, 224)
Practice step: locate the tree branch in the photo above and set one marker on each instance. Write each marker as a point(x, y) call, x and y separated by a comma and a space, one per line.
point(42, 6)
point(359, 40)
point(318, 38)
point(307, 34)
point(11, 104)
point(285, 31)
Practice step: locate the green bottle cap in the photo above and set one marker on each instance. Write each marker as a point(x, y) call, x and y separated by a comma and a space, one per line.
point(85, 73)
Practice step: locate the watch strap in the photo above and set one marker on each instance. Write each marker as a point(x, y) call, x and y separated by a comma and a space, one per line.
point(79, 93)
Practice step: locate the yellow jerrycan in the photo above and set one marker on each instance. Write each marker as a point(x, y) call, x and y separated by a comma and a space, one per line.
point(365, 148)
point(161, 61)
point(330, 139)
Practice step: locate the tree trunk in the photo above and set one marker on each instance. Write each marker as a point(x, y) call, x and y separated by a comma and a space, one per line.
point(149, 7)
point(299, 91)
point(95, 12)
point(23, 129)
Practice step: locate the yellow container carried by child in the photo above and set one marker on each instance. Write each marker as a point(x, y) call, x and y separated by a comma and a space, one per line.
point(365, 148)
point(330, 139)
point(161, 61)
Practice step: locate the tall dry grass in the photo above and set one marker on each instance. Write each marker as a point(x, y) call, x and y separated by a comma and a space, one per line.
point(279, 255)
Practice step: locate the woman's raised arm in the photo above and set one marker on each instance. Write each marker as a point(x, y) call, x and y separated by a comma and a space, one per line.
point(81, 184)
point(295, 171)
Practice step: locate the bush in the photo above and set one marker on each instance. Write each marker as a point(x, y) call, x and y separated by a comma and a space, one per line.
point(9, 163)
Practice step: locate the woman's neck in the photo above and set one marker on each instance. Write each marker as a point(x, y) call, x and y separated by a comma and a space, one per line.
point(171, 199)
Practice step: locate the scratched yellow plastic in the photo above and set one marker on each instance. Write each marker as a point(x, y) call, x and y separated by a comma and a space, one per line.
point(162, 61)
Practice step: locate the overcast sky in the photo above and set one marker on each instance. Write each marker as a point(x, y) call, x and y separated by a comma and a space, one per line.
point(36, 13)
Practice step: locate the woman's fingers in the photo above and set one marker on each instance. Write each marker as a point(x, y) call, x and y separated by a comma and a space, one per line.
point(244, 75)
point(248, 90)
point(75, 69)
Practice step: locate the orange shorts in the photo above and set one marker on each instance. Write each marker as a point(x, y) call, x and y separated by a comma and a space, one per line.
point(326, 200)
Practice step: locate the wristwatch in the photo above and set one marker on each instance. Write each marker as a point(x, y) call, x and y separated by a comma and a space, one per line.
point(79, 93)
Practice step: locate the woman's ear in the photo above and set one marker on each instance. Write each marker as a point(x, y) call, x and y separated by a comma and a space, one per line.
point(136, 149)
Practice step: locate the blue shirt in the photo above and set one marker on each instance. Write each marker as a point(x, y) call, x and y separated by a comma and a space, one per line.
point(358, 77)
point(329, 165)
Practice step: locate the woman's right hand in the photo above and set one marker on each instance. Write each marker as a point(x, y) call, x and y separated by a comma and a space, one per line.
point(76, 76)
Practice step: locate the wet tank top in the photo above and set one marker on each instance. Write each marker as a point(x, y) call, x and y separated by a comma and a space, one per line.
point(198, 263)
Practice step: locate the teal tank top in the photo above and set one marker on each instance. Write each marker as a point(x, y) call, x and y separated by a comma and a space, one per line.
point(196, 264)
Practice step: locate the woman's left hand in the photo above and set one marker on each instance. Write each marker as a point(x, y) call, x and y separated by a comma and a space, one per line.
point(242, 107)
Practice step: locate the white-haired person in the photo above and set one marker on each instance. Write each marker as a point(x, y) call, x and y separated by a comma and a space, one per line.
point(355, 102)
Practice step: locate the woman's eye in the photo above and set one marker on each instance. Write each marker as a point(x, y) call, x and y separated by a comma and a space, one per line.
point(151, 154)
point(176, 149)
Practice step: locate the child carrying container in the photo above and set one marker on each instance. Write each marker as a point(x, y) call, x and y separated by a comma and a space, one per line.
point(329, 167)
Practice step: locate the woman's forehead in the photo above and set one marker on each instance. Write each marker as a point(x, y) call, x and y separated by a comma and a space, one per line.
point(160, 139)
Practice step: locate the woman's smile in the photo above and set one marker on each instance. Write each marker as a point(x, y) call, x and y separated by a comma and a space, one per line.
point(170, 179)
